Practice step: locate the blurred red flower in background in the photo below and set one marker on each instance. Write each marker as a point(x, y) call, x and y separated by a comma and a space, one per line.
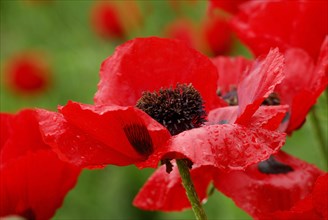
point(33, 180)
point(217, 34)
point(212, 36)
point(284, 24)
point(27, 73)
point(115, 19)
point(230, 6)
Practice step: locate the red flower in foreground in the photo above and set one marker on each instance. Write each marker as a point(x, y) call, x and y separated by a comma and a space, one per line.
point(303, 84)
point(266, 73)
point(110, 133)
point(33, 180)
point(284, 24)
point(27, 73)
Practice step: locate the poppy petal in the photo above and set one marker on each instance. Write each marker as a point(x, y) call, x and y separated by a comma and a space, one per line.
point(320, 195)
point(303, 84)
point(227, 146)
point(149, 64)
point(34, 185)
point(33, 181)
point(258, 83)
point(106, 135)
point(164, 191)
point(16, 140)
point(267, 117)
point(230, 70)
point(251, 189)
point(313, 206)
point(266, 24)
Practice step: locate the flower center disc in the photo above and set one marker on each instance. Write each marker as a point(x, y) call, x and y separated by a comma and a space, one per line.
point(178, 109)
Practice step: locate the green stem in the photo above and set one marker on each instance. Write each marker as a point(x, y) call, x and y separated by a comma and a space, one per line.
point(190, 190)
point(319, 134)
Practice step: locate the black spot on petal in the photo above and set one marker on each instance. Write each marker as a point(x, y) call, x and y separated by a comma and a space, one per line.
point(139, 138)
point(272, 166)
point(28, 214)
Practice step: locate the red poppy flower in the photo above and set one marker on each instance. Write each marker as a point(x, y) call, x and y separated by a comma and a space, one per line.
point(114, 19)
point(259, 191)
point(217, 34)
point(313, 206)
point(230, 6)
point(27, 73)
point(105, 20)
point(184, 30)
point(33, 180)
point(212, 36)
point(303, 84)
point(265, 24)
point(88, 135)
point(245, 123)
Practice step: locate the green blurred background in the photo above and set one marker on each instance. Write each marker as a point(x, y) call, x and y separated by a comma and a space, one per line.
point(62, 30)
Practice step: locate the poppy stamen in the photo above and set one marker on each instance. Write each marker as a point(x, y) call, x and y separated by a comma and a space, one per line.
point(178, 109)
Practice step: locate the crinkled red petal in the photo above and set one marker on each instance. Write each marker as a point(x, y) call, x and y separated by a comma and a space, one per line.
point(16, 139)
point(258, 83)
point(225, 115)
point(88, 136)
point(267, 117)
point(259, 194)
point(164, 191)
point(149, 64)
point(227, 146)
point(266, 24)
point(34, 185)
point(230, 70)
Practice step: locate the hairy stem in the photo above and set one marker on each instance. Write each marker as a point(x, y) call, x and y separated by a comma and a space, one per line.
point(190, 190)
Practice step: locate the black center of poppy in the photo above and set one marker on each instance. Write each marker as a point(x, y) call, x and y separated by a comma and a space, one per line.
point(272, 166)
point(139, 138)
point(178, 109)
